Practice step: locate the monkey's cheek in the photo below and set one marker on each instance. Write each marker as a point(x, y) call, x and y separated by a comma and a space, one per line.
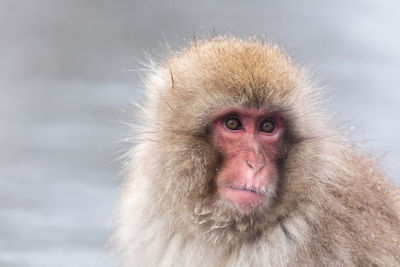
point(246, 201)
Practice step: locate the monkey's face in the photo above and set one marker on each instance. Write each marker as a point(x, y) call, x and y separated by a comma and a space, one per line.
point(249, 140)
point(224, 119)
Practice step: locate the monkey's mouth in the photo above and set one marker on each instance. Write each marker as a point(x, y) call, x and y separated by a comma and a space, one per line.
point(243, 197)
point(252, 190)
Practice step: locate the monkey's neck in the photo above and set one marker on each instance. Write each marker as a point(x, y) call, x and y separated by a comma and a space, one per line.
point(167, 244)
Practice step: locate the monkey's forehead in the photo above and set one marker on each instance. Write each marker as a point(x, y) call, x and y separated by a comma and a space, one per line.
point(227, 72)
point(241, 70)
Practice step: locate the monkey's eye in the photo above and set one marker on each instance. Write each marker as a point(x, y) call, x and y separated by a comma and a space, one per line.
point(233, 124)
point(267, 126)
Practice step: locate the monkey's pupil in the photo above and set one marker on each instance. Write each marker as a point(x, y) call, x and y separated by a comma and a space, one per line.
point(268, 126)
point(232, 124)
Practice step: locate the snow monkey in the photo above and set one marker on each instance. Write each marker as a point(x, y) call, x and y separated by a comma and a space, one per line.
point(236, 163)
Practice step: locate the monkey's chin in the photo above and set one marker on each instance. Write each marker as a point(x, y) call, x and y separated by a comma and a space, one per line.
point(244, 199)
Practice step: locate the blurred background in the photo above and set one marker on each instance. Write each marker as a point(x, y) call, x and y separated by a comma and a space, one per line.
point(68, 79)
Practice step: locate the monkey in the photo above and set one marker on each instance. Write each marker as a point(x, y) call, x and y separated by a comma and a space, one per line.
point(236, 162)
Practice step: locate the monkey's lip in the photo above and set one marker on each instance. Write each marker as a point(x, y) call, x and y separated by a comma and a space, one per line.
point(252, 190)
point(248, 198)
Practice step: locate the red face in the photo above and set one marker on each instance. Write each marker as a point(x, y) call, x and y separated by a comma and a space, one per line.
point(249, 141)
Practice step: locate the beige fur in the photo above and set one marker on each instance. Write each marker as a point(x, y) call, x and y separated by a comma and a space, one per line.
point(332, 206)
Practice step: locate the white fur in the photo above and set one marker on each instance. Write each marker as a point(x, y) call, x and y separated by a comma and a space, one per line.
point(145, 239)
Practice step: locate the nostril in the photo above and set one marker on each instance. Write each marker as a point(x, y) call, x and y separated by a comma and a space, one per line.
point(249, 164)
point(261, 166)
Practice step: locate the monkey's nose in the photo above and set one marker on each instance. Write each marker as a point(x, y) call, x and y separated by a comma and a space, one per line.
point(249, 164)
point(256, 163)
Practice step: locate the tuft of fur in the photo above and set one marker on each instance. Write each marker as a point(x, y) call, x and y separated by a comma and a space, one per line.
point(332, 205)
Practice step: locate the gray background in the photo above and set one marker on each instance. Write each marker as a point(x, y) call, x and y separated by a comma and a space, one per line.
point(66, 89)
